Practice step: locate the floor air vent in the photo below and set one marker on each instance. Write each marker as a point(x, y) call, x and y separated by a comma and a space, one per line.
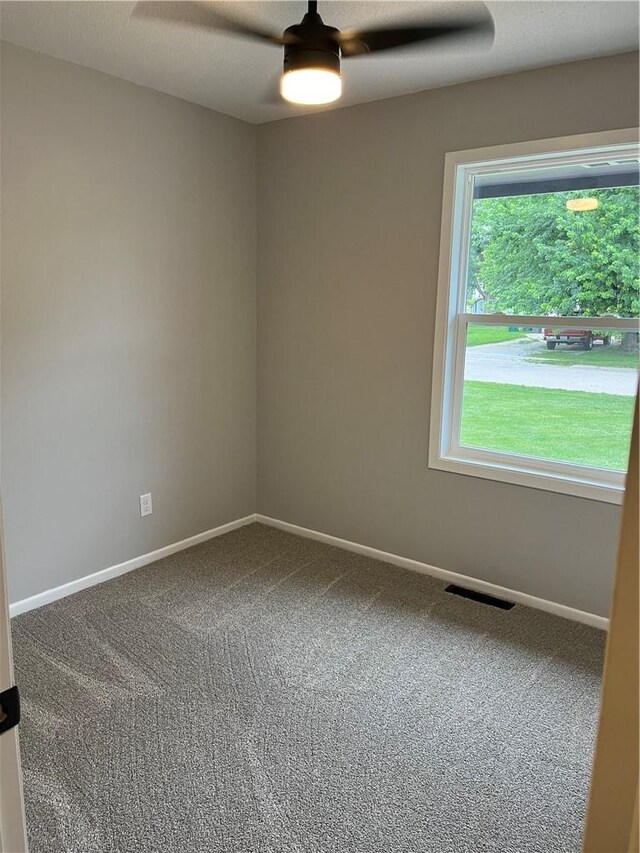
point(480, 596)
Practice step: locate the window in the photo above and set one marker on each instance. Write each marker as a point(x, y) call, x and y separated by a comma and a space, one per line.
point(536, 347)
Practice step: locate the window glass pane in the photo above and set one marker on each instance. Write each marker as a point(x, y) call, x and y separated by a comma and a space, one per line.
point(561, 241)
point(560, 394)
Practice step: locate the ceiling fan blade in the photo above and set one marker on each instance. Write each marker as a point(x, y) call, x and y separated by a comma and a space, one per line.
point(203, 16)
point(362, 42)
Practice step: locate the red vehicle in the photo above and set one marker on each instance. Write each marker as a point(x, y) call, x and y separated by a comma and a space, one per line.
point(583, 338)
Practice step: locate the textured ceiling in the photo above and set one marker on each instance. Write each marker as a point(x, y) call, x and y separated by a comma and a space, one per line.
point(239, 77)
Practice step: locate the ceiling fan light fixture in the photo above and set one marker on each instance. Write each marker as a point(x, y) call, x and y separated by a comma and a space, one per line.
point(311, 86)
point(314, 50)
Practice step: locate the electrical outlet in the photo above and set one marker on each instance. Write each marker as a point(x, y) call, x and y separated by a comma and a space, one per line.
point(146, 507)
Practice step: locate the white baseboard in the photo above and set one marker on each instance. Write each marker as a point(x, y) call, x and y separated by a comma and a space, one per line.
point(443, 574)
point(57, 592)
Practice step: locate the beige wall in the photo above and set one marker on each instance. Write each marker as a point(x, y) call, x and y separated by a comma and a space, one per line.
point(349, 221)
point(128, 319)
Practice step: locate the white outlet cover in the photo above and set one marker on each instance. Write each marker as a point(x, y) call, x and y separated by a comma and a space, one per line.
point(146, 506)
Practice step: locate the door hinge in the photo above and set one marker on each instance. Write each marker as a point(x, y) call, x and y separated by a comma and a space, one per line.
point(9, 708)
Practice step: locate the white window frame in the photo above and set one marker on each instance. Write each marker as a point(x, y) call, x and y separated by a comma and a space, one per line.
point(445, 451)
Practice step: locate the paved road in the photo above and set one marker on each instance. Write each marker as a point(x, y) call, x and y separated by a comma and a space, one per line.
point(506, 363)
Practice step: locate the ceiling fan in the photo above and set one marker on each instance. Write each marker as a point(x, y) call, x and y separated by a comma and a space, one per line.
point(312, 49)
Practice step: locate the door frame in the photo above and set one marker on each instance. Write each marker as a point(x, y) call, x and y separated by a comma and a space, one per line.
point(612, 817)
point(13, 834)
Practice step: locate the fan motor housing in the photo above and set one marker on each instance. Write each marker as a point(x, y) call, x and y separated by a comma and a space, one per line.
point(312, 45)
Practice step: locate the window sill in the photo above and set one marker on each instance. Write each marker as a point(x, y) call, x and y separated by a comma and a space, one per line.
point(579, 481)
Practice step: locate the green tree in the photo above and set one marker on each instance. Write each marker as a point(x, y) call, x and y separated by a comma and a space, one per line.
point(531, 255)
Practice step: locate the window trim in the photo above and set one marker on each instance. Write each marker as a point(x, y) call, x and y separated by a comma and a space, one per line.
point(445, 452)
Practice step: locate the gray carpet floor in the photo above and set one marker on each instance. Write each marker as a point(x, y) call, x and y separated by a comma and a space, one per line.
point(262, 692)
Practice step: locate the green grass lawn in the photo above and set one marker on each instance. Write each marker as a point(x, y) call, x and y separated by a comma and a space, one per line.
point(611, 356)
point(477, 335)
point(571, 426)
